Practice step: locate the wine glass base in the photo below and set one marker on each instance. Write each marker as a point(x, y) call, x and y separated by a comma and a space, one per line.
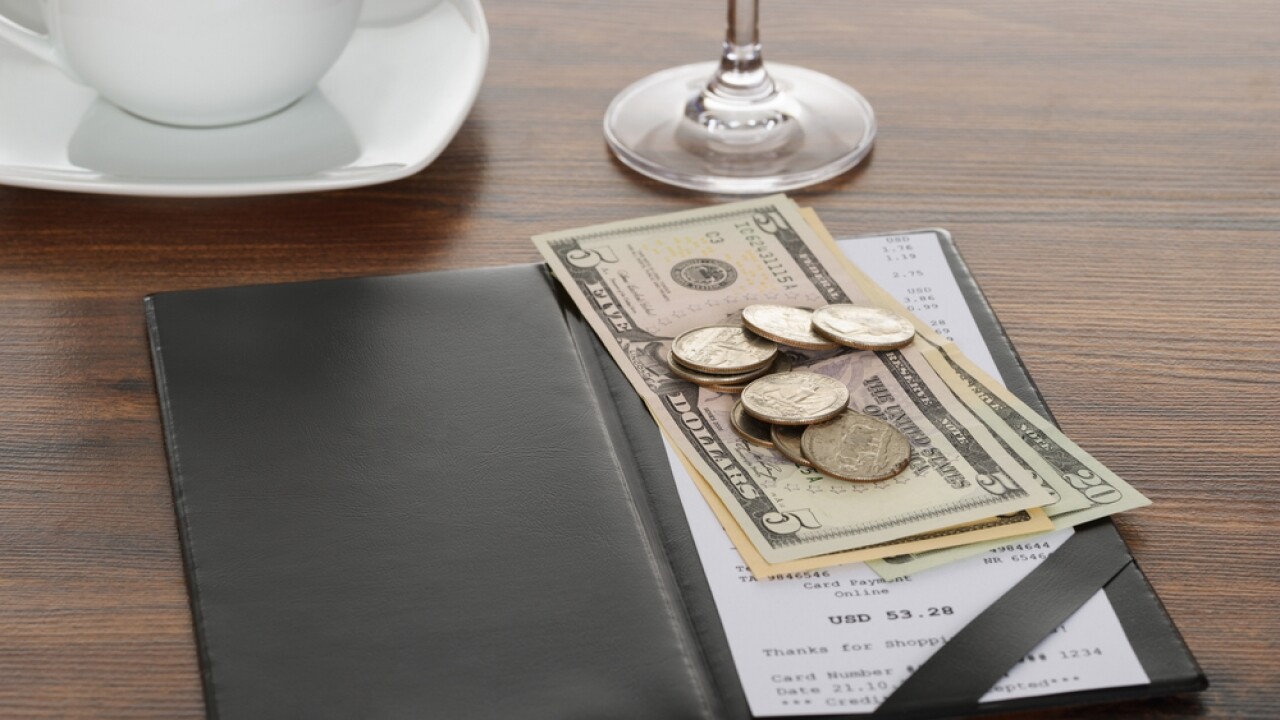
point(828, 129)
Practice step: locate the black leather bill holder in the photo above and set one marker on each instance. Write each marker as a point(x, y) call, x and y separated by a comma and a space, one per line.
point(435, 495)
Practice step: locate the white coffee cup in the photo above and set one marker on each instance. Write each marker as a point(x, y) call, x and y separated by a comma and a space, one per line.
point(192, 62)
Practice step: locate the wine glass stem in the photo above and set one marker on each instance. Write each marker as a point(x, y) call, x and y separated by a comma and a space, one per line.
point(741, 76)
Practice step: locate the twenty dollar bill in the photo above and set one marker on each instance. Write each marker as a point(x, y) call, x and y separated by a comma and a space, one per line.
point(1087, 489)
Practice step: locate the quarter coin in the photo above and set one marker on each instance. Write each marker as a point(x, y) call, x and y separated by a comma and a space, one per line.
point(731, 389)
point(864, 328)
point(723, 350)
point(856, 447)
point(708, 379)
point(787, 325)
point(751, 429)
point(795, 398)
point(786, 440)
point(781, 364)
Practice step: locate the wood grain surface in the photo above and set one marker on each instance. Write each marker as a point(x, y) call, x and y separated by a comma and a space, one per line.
point(1110, 170)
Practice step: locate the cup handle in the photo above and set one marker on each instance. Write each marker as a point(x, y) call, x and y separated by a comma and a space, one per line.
point(37, 44)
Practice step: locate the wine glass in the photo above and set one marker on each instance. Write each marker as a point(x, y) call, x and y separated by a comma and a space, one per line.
point(739, 127)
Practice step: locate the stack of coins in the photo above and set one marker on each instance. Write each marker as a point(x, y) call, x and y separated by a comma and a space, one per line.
point(863, 328)
point(809, 423)
point(723, 358)
point(802, 415)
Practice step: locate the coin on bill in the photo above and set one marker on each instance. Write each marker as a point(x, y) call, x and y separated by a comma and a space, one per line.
point(795, 398)
point(751, 429)
point(707, 379)
point(856, 447)
point(723, 350)
point(787, 325)
point(864, 328)
point(786, 440)
point(781, 364)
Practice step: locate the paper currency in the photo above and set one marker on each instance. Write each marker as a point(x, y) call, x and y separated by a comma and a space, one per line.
point(641, 283)
point(1064, 500)
point(1086, 479)
point(1095, 489)
point(1087, 489)
point(995, 529)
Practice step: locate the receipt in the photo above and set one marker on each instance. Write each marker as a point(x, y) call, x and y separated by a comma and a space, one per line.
point(912, 268)
point(840, 640)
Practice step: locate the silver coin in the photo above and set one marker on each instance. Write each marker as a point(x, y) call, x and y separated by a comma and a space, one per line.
point(795, 398)
point(856, 447)
point(864, 328)
point(787, 325)
point(751, 429)
point(723, 350)
point(786, 440)
point(781, 364)
point(708, 379)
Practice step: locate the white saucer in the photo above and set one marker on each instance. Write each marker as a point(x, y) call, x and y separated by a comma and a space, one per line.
point(388, 107)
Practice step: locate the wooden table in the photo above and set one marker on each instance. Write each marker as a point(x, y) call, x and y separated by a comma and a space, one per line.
point(1111, 171)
